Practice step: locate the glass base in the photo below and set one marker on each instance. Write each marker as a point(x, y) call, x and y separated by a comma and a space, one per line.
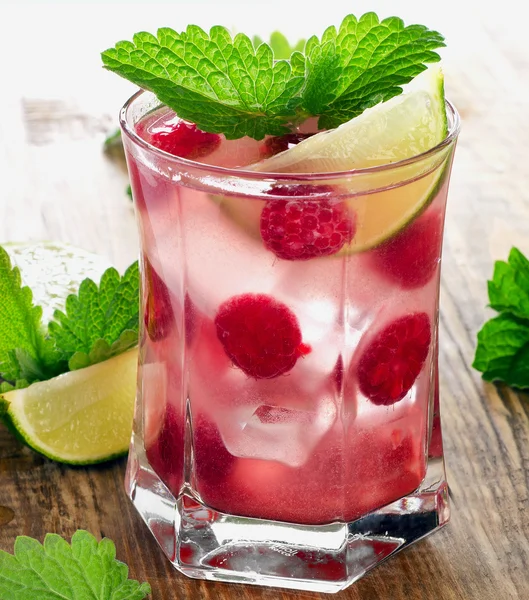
point(203, 543)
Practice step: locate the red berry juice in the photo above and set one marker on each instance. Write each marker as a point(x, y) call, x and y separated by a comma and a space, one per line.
point(304, 368)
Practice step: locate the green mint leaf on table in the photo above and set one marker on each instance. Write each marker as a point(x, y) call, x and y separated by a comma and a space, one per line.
point(113, 139)
point(509, 288)
point(101, 322)
point(84, 570)
point(502, 353)
point(5, 386)
point(25, 352)
point(226, 85)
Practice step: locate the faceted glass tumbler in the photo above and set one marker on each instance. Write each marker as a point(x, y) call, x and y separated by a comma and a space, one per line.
point(310, 477)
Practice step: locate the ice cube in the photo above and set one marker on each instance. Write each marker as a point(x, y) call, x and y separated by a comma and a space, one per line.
point(278, 433)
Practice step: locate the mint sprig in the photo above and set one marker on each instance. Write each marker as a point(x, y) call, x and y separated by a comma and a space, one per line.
point(226, 85)
point(98, 323)
point(363, 63)
point(84, 570)
point(502, 352)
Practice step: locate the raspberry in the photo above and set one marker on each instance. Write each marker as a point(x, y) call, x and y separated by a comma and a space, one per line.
point(260, 335)
point(411, 257)
point(158, 314)
point(303, 229)
point(184, 139)
point(280, 143)
point(213, 463)
point(394, 358)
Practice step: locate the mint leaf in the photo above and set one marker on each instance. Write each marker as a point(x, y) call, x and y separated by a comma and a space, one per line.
point(5, 386)
point(25, 353)
point(100, 321)
point(228, 86)
point(502, 353)
point(102, 350)
point(113, 139)
point(509, 288)
point(223, 85)
point(84, 570)
point(363, 63)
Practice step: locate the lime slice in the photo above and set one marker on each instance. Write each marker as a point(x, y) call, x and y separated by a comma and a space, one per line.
point(53, 270)
point(81, 417)
point(398, 129)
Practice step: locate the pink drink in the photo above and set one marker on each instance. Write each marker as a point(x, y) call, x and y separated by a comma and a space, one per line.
point(334, 422)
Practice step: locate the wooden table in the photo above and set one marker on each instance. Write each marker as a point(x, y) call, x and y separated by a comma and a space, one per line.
point(57, 184)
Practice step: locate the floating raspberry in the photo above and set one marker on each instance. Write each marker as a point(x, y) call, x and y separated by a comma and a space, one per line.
point(411, 257)
point(260, 335)
point(394, 358)
point(158, 314)
point(184, 139)
point(303, 229)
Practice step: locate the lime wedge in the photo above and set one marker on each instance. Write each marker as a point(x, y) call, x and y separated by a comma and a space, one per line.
point(399, 129)
point(81, 417)
point(53, 270)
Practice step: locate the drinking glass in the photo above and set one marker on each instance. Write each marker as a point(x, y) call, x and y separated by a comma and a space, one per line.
point(306, 465)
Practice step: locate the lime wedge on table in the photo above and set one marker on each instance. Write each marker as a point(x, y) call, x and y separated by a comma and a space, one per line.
point(83, 416)
point(79, 417)
point(398, 129)
point(53, 270)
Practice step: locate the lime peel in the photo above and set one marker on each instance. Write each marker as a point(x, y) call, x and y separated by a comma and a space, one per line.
point(80, 417)
point(384, 201)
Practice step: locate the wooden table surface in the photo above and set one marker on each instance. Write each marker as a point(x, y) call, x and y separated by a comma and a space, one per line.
point(56, 106)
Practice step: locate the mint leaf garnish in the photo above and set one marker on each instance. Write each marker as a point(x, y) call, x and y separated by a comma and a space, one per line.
point(25, 352)
point(363, 63)
point(84, 570)
point(227, 85)
point(502, 353)
point(98, 322)
point(223, 85)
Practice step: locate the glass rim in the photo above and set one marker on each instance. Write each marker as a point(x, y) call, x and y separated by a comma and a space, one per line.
point(128, 129)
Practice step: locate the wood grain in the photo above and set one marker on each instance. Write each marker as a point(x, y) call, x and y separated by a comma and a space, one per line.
point(57, 184)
